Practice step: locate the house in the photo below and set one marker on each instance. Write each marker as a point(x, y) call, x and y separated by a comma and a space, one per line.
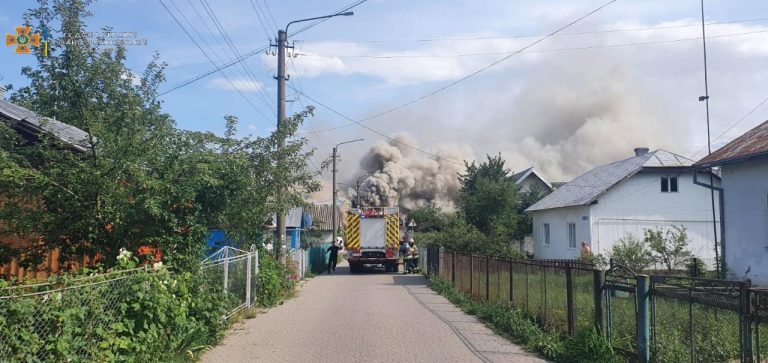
point(322, 222)
point(532, 180)
point(743, 166)
point(653, 189)
point(32, 128)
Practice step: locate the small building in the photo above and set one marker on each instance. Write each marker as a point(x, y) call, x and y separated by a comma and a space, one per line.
point(653, 189)
point(530, 180)
point(743, 166)
point(321, 230)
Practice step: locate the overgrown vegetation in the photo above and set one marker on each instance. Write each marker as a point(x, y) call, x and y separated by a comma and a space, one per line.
point(666, 246)
point(587, 347)
point(141, 180)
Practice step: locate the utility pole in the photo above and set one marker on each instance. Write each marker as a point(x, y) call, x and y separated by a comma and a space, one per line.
point(334, 207)
point(282, 40)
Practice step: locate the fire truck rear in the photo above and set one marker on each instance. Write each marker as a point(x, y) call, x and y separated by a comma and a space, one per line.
point(373, 237)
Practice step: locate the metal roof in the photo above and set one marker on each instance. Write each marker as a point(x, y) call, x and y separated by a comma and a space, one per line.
point(589, 186)
point(752, 143)
point(520, 177)
point(322, 216)
point(25, 119)
point(292, 220)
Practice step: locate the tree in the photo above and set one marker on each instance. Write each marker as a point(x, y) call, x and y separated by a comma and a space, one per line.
point(142, 181)
point(632, 252)
point(429, 218)
point(488, 198)
point(669, 246)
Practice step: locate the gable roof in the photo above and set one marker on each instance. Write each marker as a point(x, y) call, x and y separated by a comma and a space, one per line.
point(27, 121)
point(322, 216)
point(753, 143)
point(521, 176)
point(589, 186)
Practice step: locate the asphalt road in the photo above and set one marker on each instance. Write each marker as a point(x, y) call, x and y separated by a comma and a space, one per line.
point(370, 317)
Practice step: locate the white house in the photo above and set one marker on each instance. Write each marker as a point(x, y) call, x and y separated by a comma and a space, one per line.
point(744, 167)
point(650, 190)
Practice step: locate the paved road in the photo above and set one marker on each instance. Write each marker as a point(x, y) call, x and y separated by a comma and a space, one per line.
point(372, 317)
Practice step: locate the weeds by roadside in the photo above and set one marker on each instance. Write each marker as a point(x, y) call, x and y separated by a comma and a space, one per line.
point(586, 347)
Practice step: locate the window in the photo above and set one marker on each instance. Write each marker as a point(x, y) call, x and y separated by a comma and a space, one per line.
point(572, 235)
point(545, 232)
point(668, 184)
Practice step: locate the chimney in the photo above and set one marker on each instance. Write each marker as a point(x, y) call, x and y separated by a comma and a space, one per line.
point(641, 151)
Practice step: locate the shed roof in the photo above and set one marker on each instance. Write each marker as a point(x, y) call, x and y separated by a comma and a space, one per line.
point(322, 216)
point(589, 186)
point(753, 143)
point(26, 120)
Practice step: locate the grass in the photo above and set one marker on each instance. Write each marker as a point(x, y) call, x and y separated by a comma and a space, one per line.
point(519, 327)
point(540, 295)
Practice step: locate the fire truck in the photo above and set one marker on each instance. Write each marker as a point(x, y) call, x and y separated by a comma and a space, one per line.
point(373, 238)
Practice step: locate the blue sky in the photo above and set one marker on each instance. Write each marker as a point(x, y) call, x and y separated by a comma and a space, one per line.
point(561, 109)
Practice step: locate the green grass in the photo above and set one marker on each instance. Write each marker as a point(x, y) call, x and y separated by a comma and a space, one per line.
point(587, 347)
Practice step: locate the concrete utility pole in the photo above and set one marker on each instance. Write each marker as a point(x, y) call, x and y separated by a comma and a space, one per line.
point(282, 40)
point(333, 201)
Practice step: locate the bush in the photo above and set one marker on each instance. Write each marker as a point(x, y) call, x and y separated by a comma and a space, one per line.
point(632, 252)
point(275, 281)
point(670, 246)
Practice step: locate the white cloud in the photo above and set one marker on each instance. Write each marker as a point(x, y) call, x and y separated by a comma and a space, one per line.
point(242, 84)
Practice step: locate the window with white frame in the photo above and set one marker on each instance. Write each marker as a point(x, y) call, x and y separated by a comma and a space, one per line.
point(545, 233)
point(669, 184)
point(572, 235)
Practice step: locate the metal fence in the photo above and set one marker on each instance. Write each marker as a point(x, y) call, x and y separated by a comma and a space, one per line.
point(560, 295)
point(237, 271)
point(648, 317)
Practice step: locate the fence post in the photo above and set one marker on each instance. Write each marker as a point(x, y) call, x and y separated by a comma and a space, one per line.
point(511, 285)
point(569, 301)
point(746, 324)
point(642, 294)
point(226, 273)
point(487, 278)
point(453, 268)
point(248, 281)
point(471, 272)
point(597, 286)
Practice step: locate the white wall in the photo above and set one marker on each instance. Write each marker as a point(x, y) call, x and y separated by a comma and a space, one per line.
point(746, 219)
point(638, 204)
point(558, 220)
point(532, 181)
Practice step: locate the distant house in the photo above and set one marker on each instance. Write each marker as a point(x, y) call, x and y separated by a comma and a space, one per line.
point(322, 222)
point(649, 190)
point(744, 169)
point(532, 180)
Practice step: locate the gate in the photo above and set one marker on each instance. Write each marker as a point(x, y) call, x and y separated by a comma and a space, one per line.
point(621, 310)
point(433, 260)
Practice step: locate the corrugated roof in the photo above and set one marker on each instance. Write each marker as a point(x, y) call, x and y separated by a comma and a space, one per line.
point(752, 143)
point(23, 118)
point(586, 188)
point(322, 216)
point(521, 176)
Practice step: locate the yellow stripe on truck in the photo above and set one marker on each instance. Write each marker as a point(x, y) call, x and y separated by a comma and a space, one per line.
point(393, 230)
point(353, 230)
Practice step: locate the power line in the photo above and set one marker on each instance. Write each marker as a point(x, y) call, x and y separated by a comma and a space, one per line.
point(540, 35)
point(742, 118)
point(329, 108)
point(258, 14)
point(168, 10)
point(269, 12)
point(395, 56)
point(483, 69)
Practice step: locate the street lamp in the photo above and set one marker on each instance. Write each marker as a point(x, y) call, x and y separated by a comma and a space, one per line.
point(282, 39)
point(335, 148)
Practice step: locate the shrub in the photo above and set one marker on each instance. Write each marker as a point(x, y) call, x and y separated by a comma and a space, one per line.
point(632, 252)
point(274, 281)
point(670, 246)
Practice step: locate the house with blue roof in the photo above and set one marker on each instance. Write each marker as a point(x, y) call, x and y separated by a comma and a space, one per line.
point(652, 189)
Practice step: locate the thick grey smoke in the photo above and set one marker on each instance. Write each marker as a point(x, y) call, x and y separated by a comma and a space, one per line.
point(398, 176)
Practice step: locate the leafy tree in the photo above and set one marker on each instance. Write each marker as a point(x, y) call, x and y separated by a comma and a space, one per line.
point(429, 218)
point(632, 252)
point(488, 198)
point(669, 246)
point(141, 180)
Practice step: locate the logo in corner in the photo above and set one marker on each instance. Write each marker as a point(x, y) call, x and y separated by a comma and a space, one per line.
point(22, 40)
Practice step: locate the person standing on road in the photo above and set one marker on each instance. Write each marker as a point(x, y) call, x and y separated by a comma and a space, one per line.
point(334, 256)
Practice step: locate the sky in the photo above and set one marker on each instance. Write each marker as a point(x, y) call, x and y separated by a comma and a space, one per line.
point(628, 75)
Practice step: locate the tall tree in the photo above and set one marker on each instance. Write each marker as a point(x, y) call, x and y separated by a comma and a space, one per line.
point(488, 198)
